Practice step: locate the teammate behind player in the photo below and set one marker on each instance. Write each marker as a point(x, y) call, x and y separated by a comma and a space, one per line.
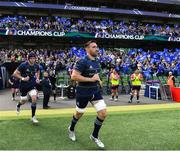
point(28, 72)
point(14, 84)
point(136, 80)
point(86, 74)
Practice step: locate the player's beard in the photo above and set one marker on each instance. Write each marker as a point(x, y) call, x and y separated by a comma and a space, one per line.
point(94, 54)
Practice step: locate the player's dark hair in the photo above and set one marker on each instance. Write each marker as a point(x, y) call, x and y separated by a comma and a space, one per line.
point(88, 43)
point(31, 54)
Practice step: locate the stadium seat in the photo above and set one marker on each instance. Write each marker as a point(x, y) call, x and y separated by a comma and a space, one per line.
point(105, 84)
point(60, 79)
point(162, 80)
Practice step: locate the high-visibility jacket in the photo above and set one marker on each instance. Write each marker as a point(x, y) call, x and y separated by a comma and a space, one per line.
point(170, 81)
point(114, 79)
point(137, 79)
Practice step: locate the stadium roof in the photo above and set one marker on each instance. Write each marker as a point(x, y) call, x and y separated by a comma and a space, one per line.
point(177, 2)
point(85, 8)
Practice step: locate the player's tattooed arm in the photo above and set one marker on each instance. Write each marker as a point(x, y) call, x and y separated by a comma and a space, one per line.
point(17, 74)
point(38, 77)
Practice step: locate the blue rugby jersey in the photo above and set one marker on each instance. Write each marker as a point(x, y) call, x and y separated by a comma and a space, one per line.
point(87, 68)
point(28, 70)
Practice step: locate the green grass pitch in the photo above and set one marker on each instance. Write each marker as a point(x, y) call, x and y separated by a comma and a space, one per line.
point(158, 130)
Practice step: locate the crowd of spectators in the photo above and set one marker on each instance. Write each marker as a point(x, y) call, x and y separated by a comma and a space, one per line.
point(62, 24)
point(148, 62)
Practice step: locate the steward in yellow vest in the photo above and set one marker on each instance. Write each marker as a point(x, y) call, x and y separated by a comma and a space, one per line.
point(136, 81)
point(115, 78)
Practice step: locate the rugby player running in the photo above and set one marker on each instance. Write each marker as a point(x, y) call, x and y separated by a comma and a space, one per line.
point(28, 72)
point(86, 73)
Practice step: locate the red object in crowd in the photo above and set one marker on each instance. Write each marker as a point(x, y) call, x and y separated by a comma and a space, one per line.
point(175, 94)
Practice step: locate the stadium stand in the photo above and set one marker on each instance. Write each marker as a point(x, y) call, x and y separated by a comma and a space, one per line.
point(88, 26)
